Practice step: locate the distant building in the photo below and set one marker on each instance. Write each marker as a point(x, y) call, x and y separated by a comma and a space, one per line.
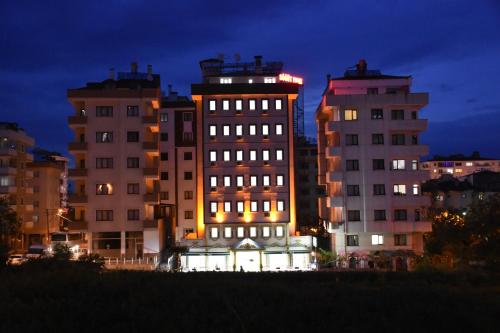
point(369, 162)
point(459, 165)
point(15, 178)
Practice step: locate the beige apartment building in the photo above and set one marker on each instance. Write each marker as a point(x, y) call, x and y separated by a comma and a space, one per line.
point(459, 165)
point(369, 161)
point(15, 177)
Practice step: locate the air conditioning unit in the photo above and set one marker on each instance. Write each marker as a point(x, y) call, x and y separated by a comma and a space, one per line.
point(239, 137)
point(239, 188)
point(213, 189)
point(266, 163)
point(265, 136)
point(266, 188)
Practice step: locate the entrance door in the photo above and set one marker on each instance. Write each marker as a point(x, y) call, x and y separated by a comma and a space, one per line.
point(248, 261)
point(139, 249)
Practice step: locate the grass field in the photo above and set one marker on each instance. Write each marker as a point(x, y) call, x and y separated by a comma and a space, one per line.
point(74, 300)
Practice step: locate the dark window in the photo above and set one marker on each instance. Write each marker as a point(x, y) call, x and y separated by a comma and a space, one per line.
point(353, 190)
point(400, 239)
point(164, 156)
point(188, 175)
point(414, 115)
point(132, 162)
point(188, 214)
point(188, 195)
point(400, 215)
point(378, 189)
point(132, 111)
point(132, 136)
point(187, 116)
point(188, 156)
point(398, 114)
point(187, 136)
point(104, 215)
point(133, 214)
point(417, 215)
point(378, 139)
point(104, 111)
point(414, 139)
point(378, 164)
point(104, 163)
point(164, 195)
point(372, 91)
point(103, 189)
point(377, 114)
point(164, 136)
point(351, 139)
point(164, 175)
point(379, 215)
point(352, 165)
point(104, 137)
point(352, 240)
point(353, 215)
point(398, 139)
point(133, 188)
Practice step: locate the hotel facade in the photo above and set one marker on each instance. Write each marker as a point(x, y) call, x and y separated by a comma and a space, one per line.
point(369, 162)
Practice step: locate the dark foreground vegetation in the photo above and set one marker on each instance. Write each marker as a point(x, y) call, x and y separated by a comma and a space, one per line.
point(70, 297)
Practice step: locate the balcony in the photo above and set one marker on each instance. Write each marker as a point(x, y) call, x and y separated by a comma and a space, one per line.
point(77, 146)
point(409, 176)
point(150, 172)
point(8, 189)
point(78, 225)
point(150, 146)
point(332, 152)
point(8, 171)
point(333, 126)
point(410, 150)
point(78, 198)
point(334, 201)
point(150, 223)
point(387, 100)
point(77, 120)
point(414, 125)
point(411, 200)
point(150, 120)
point(151, 197)
point(334, 176)
point(76, 173)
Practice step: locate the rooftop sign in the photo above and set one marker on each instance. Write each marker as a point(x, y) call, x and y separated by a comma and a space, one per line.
point(284, 77)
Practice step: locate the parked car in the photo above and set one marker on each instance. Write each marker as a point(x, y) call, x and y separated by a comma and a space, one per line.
point(16, 259)
point(37, 252)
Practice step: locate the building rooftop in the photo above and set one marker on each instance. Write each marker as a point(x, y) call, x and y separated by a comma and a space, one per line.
point(10, 126)
point(361, 72)
point(475, 156)
point(217, 67)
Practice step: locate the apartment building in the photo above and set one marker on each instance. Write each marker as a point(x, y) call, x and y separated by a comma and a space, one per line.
point(459, 165)
point(117, 162)
point(15, 178)
point(245, 187)
point(369, 162)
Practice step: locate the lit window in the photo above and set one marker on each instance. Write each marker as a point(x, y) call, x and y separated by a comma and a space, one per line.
point(253, 180)
point(279, 154)
point(278, 104)
point(226, 130)
point(227, 206)
point(415, 188)
point(239, 181)
point(469, 164)
point(279, 129)
point(280, 180)
point(458, 170)
point(227, 181)
point(240, 232)
point(414, 165)
point(399, 189)
point(269, 80)
point(164, 117)
point(266, 180)
point(213, 181)
point(240, 206)
point(377, 239)
point(449, 170)
point(226, 80)
point(238, 105)
point(213, 207)
point(212, 129)
point(227, 155)
point(265, 104)
point(265, 154)
point(253, 206)
point(213, 156)
point(253, 232)
point(225, 104)
point(253, 155)
point(350, 114)
point(398, 164)
point(239, 155)
point(252, 130)
point(265, 129)
point(280, 231)
point(228, 232)
point(239, 130)
point(104, 189)
point(212, 105)
point(250, 81)
point(266, 232)
point(252, 104)
point(214, 232)
point(280, 206)
point(266, 205)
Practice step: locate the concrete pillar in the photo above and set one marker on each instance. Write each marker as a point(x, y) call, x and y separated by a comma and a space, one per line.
point(89, 242)
point(122, 243)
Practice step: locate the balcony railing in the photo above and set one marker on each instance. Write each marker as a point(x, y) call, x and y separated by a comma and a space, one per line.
point(151, 197)
point(150, 223)
point(150, 120)
point(78, 198)
point(75, 146)
point(150, 172)
point(78, 225)
point(77, 120)
point(150, 145)
point(79, 172)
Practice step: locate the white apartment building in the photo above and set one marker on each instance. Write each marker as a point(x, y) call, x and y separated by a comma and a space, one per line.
point(369, 161)
point(459, 166)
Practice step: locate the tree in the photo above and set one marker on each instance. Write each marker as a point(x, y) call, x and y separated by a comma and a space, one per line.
point(62, 252)
point(9, 224)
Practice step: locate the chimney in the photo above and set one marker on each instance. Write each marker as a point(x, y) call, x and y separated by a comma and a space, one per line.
point(361, 66)
point(150, 73)
point(111, 74)
point(133, 67)
point(258, 64)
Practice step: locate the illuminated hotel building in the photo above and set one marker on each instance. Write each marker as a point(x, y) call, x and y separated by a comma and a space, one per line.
point(245, 216)
point(369, 161)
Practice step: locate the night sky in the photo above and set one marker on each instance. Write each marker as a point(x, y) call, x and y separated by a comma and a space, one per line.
point(451, 48)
